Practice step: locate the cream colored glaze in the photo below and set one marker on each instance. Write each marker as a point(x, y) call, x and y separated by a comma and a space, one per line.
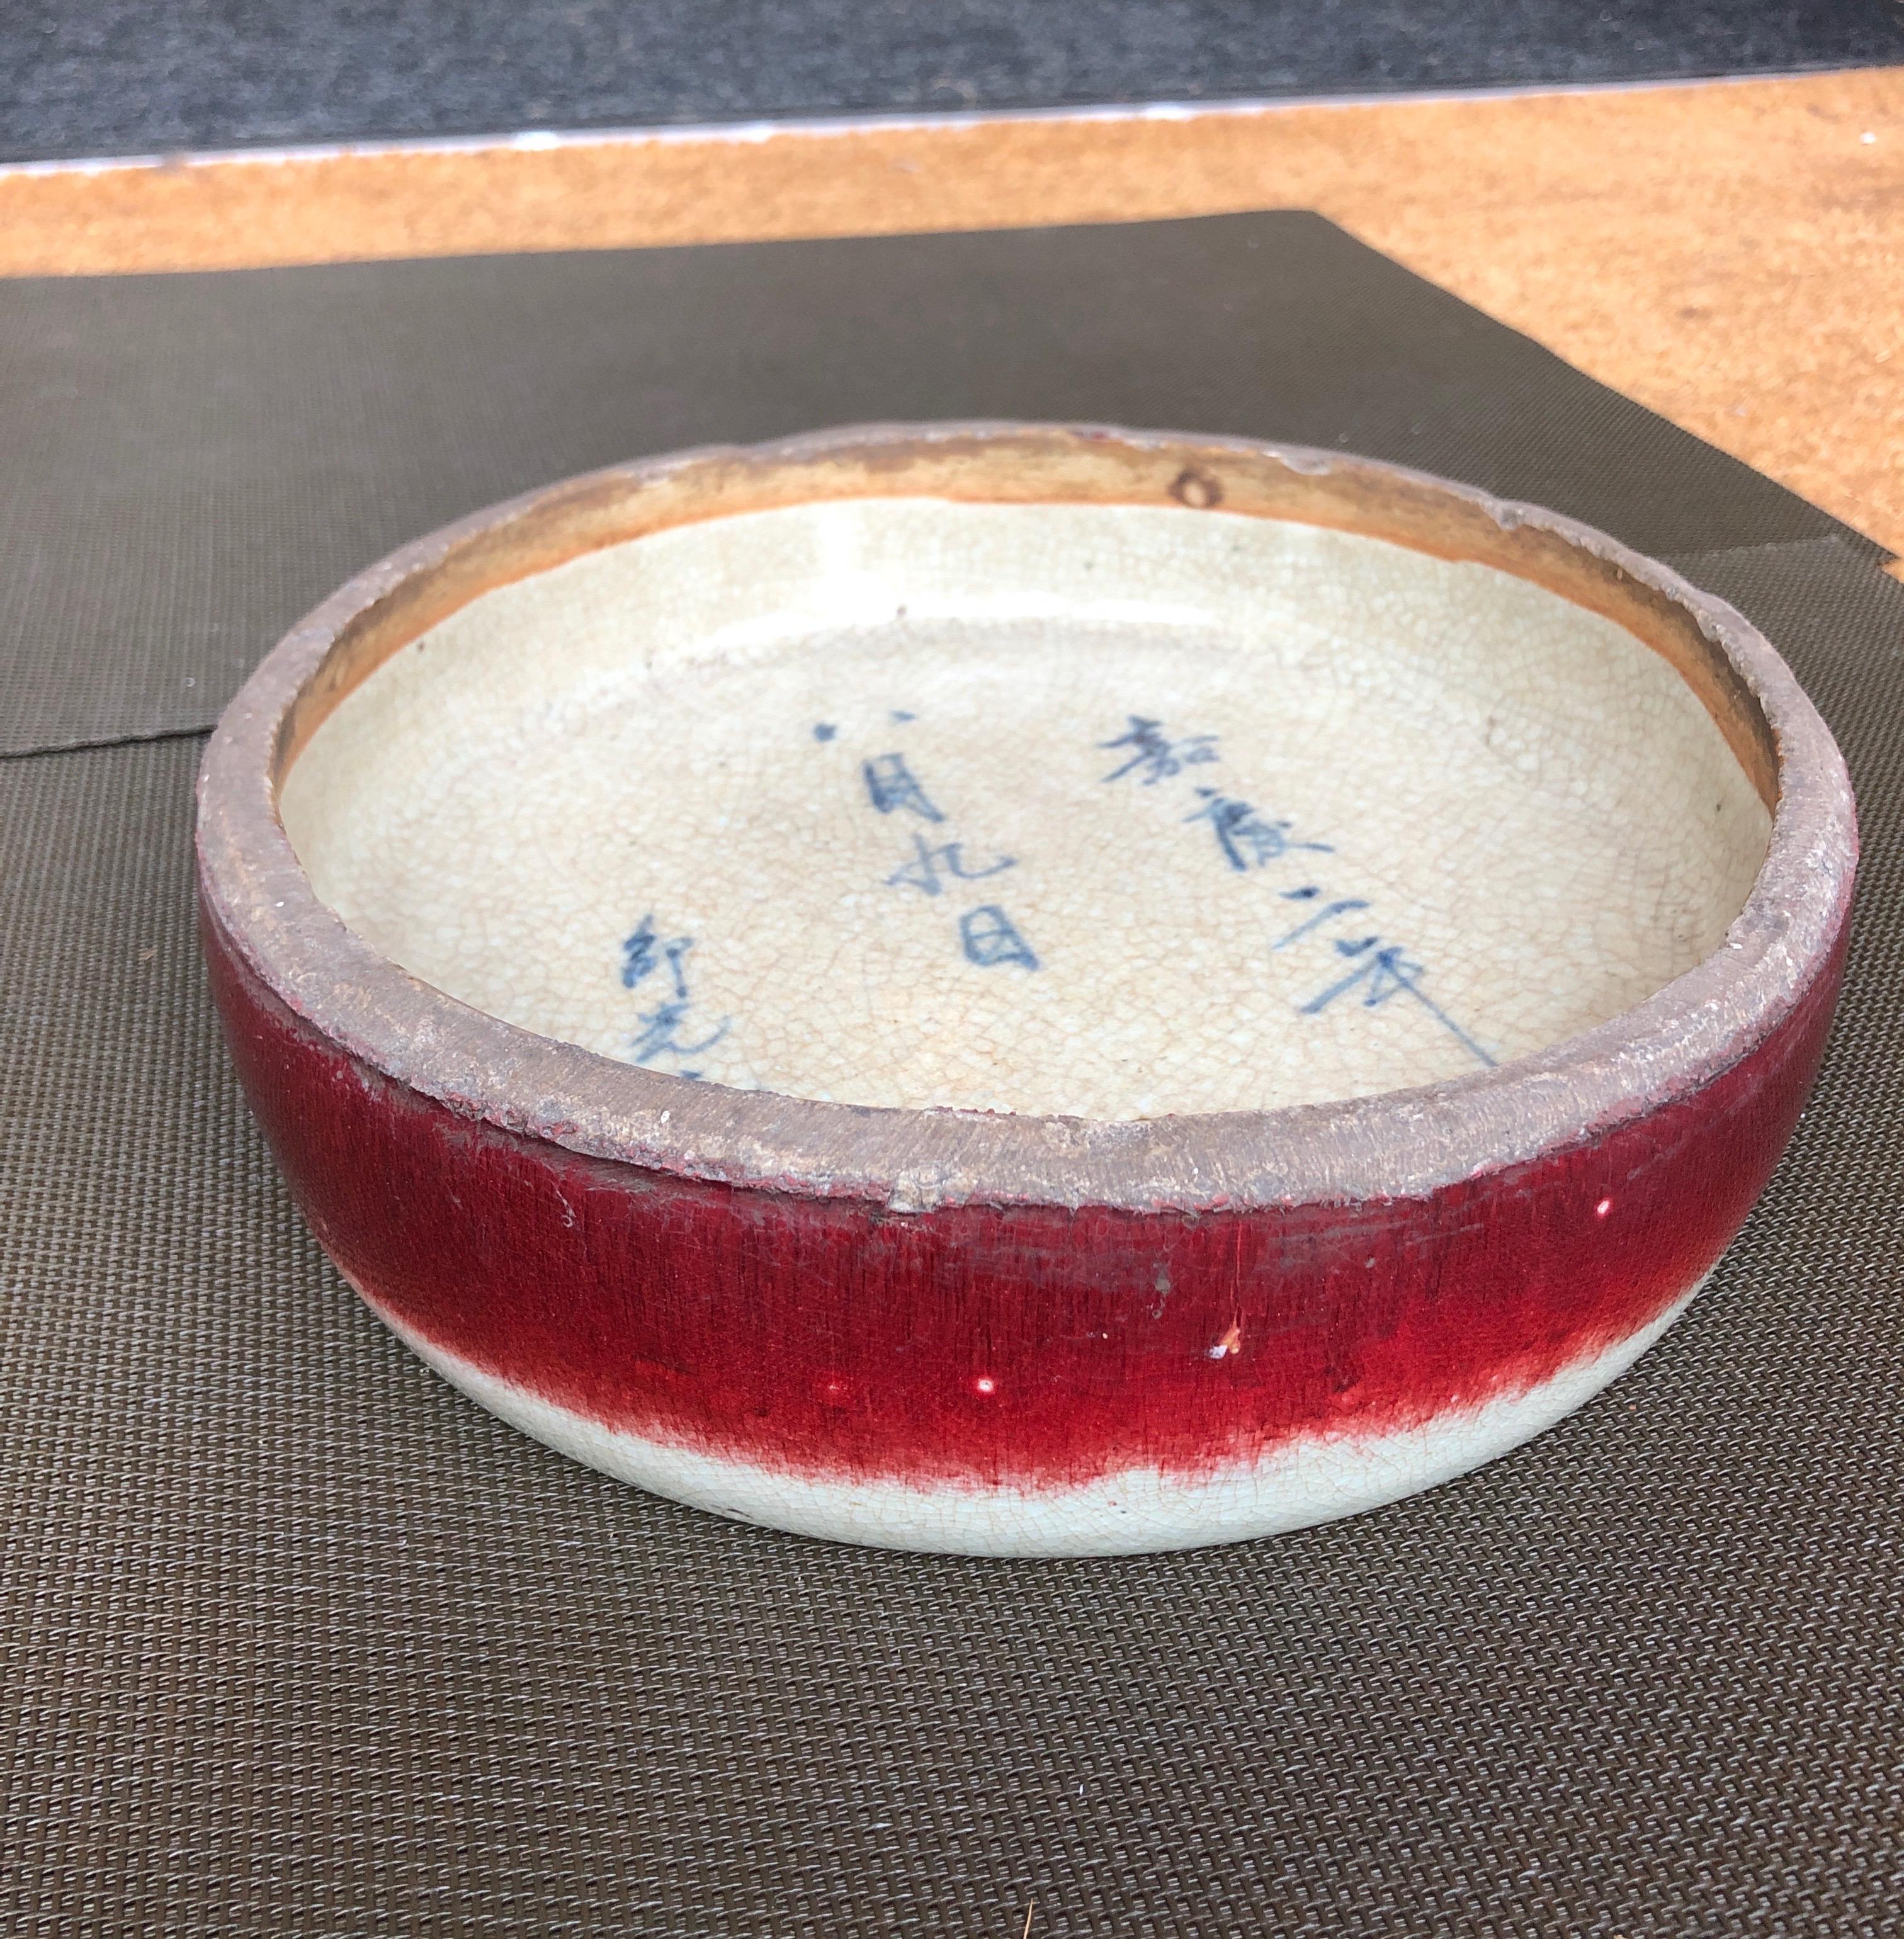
point(1539, 822)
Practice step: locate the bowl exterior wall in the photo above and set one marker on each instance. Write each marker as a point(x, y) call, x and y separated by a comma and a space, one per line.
point(795, 1358)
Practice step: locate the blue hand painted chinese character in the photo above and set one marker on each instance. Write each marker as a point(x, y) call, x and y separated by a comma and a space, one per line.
point(1247, 840)
point(661, 1035)
point(889, 784)
point(644, 951)
point(1157, 755)
point(1327, 913)
point(1381, 973)
point(923, 870)
point(990, 937)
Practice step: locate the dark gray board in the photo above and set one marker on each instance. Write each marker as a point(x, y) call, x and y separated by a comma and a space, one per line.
point(194, 460)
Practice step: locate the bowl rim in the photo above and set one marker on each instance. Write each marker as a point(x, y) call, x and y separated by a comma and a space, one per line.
point(1391, 1144)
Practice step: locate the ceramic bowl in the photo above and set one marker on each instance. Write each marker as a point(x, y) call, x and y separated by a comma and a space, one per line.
point(1023, 989)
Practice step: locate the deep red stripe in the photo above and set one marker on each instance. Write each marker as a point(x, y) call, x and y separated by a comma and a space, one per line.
point(1028, 1345)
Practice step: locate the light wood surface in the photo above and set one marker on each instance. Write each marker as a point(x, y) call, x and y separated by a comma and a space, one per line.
point(1731, 253)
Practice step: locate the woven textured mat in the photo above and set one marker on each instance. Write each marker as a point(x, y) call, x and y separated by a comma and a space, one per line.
point(296, 1640)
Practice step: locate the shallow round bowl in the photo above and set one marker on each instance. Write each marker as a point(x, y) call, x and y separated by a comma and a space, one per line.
point(1029, 990)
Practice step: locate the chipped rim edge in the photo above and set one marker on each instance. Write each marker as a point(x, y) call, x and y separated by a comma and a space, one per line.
point(1390, 1145)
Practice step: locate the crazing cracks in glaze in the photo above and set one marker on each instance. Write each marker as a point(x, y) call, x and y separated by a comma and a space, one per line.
point(1102, 812)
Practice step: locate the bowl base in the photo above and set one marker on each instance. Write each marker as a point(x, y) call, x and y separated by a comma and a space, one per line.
point(1139, 1511)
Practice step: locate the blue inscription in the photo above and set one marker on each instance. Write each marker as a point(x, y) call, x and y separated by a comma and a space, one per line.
point(991, 937)
point(890, 785)
point(663, 1027)
point(1327, 913)
point(1247, 840)
point(924, 869)
point(1381, 974)
point(988, 935)
point(825, 730)
point(660, 1035)
point(1154, 755)
point(645, 952)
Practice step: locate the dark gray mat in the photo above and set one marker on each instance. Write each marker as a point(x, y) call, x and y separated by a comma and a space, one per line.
point(116, 76)
point(193, 460)
point(296, 1641)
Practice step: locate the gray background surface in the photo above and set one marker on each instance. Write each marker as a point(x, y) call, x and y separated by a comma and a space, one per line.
point(296, 1640)
point(116, 77)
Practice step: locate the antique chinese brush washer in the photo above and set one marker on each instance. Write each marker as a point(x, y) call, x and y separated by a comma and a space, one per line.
point(1030, 990)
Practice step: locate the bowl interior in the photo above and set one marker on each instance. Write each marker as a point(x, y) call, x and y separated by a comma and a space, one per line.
point(1100, 809)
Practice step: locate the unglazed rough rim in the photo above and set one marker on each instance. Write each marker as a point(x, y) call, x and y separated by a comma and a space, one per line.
point(1396, 1144)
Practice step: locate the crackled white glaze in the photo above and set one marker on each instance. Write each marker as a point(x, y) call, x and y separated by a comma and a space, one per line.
point(736, 798)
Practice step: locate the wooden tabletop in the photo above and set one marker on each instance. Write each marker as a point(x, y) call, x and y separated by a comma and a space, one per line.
point(1731, 253)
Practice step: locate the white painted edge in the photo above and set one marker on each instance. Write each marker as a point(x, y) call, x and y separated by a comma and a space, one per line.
point(1319, 1479)
point(744, 133)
